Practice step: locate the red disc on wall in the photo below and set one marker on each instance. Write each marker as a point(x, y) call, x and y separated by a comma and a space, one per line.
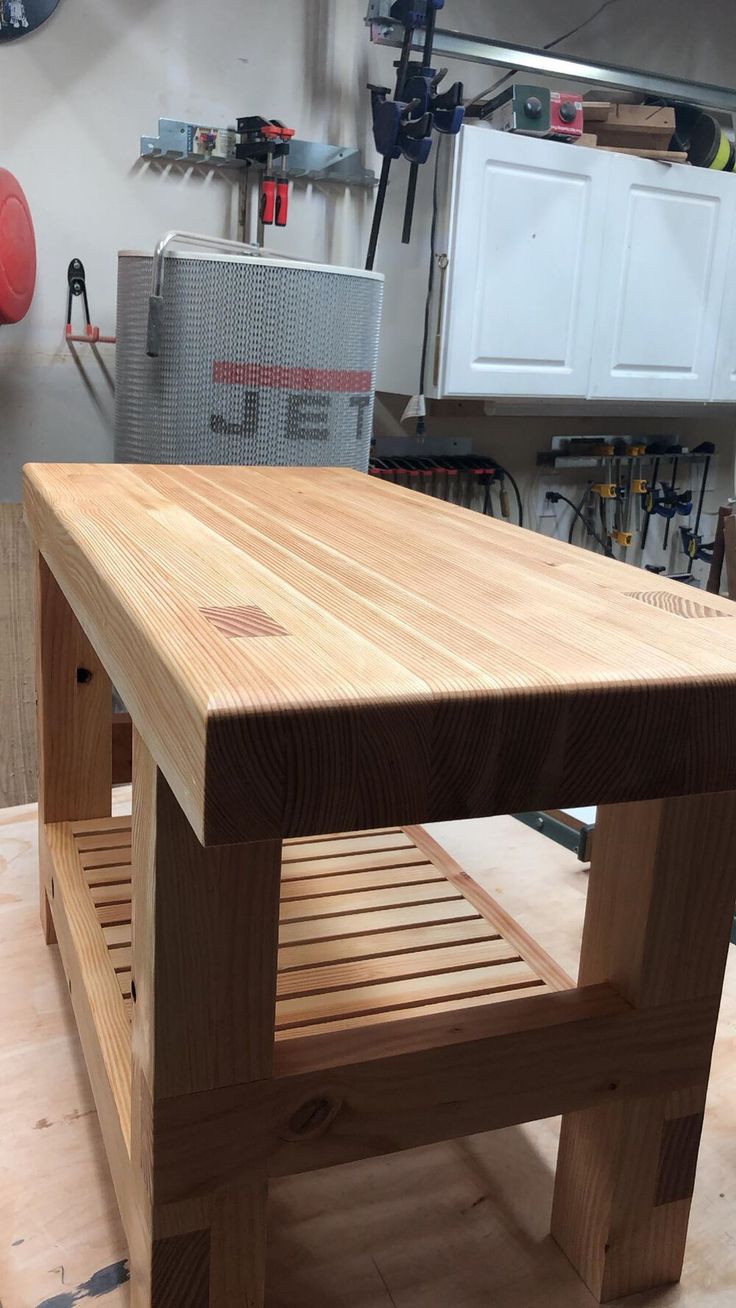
point(17, 251)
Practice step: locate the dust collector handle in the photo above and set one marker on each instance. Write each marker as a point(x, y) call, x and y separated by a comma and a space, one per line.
point(154, 333)
point(155, 327)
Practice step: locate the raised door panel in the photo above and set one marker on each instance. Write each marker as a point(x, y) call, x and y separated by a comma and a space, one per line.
point(522, 280)
point(662, 281)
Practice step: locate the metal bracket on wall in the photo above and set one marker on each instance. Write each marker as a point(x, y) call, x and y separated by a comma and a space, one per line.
point(548, 63)
point(314, 161)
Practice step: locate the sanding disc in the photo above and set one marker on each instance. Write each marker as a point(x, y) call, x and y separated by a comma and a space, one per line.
point(17, 251)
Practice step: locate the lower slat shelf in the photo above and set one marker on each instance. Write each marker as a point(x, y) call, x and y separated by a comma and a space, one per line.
point(375, 926)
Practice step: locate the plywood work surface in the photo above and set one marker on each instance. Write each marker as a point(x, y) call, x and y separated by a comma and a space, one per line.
point(463, 1224)
point(306, 650)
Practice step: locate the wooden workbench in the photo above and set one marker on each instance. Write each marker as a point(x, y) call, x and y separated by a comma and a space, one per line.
point(305, 653)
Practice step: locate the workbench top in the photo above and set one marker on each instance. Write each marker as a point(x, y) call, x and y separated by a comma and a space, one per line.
point(308, 650)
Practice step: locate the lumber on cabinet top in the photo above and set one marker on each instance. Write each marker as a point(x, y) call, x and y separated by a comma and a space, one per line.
point(306, 650)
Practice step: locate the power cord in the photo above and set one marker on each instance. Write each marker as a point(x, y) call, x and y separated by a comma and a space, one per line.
point(477, 99)
point(554, 497)
point(578, 511)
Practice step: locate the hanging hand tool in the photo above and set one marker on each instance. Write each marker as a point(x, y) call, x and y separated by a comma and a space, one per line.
point(77, 286)
point(692, 541)
point(263, 140)
point(673, 479)
point(404, 125)
point(651, 486)
point(445, 109)
point(267, 205)
point(410, 17)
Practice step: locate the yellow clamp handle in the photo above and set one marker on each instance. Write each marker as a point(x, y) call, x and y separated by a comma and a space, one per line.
point(607, 490)
point(639, 487)
point(623, 538)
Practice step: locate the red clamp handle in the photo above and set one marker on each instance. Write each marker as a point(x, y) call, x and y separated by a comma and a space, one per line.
point(282, 203)
point(268, 200)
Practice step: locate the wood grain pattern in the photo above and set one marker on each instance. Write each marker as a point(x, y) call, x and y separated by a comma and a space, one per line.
point(678, 1159)
point(203, 986)
point(657, 926)
point(98, 1008)
point(73, 713)
point(555, 1060)
point(17, 673)
point(426, 647)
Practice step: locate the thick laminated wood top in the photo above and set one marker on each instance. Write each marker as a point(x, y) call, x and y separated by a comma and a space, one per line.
point(308, 650)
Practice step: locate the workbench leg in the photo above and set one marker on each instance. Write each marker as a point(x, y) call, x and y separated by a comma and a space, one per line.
point(657, 926)
point(205, 938)
point(74, 705)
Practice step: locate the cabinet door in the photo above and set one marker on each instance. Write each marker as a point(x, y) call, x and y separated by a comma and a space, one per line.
point(662, 281)
point(521, 285)
point(724, 378)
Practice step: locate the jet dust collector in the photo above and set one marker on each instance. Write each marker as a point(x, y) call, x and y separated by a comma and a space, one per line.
point(228, 355)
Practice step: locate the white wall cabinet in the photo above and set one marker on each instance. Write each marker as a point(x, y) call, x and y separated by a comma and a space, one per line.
point(665, 251)
point(524, 266)
point(583, 273)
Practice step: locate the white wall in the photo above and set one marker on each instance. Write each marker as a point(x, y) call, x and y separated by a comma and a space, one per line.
point(76, 96)
point(74, 99)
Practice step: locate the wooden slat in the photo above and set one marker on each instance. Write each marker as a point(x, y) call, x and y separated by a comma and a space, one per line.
point(359, 924)
point(345, 925)
point(112, 839)
point(403, 994)
point(117, 935)
point(340, 835)
point(529, 949)
point(122, 959)
point(384, 943)
point(320, 867)
point(114, 857)
point(101, 826)
point(426, 963)
point(313, 887)
point(114, 914)
point(105, 875)
point(455, 1005)
point(301, 910)
point(117, 892)
point(107, 1037)
point(366, 844)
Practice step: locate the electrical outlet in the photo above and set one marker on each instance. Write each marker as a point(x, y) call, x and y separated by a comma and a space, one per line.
point(544, 508)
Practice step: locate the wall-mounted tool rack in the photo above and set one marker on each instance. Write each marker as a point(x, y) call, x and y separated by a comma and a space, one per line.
point(214, 147)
